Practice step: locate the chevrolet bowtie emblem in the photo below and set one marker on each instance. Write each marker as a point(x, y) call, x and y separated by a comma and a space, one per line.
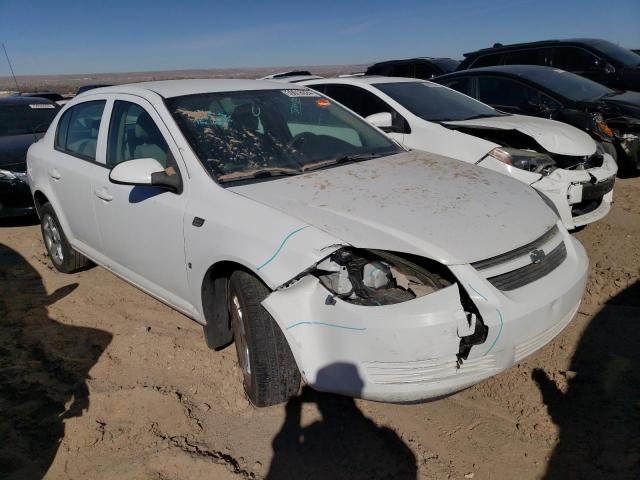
point(537, 255)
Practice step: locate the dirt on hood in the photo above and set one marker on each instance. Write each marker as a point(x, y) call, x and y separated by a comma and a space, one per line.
point(100, 381)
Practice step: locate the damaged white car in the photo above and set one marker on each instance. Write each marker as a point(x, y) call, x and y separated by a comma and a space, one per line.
point(557, 159)
point(277, 218)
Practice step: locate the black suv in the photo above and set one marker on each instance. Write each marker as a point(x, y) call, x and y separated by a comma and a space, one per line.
point(598, 60)
point(422, 67)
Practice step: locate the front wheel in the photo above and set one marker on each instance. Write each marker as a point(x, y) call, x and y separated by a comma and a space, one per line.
point(62, 255)
point(269, 370)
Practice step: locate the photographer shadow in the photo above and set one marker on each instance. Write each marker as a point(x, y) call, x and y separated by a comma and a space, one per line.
point(599, 415)
point(44, 367)
point(343, 444)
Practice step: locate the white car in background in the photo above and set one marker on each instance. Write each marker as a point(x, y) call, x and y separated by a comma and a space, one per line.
point(560, 161)
point(276, 218)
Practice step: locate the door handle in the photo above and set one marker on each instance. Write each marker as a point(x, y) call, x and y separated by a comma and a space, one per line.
point(53, 173)
point(103, 194)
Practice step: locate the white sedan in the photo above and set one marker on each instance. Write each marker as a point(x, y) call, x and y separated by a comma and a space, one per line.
point(276, 218)
point(560, 161)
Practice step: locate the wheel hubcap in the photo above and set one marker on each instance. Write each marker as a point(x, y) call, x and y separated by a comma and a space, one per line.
point(52, 239)
point(242, 348)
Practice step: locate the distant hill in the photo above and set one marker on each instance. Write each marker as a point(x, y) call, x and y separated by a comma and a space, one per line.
point(65, 84)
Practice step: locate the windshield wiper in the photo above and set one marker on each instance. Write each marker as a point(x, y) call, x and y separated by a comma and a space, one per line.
point(261, 173)
point(356, 157)
point(483, 115)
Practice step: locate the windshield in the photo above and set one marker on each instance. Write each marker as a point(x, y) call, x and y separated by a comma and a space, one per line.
point(23, 118)
point(568, 85)
point(617, 53)
point(262, 133)
point(436, 103)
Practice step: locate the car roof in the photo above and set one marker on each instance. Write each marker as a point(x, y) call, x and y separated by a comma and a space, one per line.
point(177, 88)
point(19, 100)
point(498, 47)
point(365, 80)
point(520, 70)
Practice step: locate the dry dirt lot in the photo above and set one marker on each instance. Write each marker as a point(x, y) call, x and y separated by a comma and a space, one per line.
point(100, 381)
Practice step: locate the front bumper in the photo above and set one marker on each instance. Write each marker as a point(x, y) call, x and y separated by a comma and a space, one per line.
point(15, 198)
point(581, 196)
point(407, 352)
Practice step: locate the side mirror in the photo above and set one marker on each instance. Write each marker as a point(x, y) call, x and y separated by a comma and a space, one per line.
point(381, 120)
point(146, 172)
point(602, 66)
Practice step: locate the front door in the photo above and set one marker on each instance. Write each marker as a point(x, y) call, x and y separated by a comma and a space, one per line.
point(142, 227)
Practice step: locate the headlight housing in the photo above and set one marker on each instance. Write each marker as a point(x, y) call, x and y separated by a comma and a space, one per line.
point(524, 159)
point(377, 277)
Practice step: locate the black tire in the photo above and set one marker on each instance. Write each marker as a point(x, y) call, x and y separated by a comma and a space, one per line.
point(272, 376)
point(62, 255)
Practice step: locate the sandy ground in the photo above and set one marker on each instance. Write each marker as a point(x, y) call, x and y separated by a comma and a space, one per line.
point(100, 381)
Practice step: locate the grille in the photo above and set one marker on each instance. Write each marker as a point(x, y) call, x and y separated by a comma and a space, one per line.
point(518, 252)
point(532, 272)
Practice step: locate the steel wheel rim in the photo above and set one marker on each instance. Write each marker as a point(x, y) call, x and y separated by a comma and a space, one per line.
point(240, 339)
point(52, 239)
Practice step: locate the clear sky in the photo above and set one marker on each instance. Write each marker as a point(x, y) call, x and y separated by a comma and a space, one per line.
point(64, 36)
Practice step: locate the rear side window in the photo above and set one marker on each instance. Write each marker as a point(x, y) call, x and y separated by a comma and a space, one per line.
point(530, 56)
point(78, 129)
point(486, 60)
point(133, 134)
point(360, 101)
point(505, 92)
point(573, 59)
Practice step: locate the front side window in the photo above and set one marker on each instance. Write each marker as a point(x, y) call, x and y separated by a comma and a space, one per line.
point(78, 129)
point(573, 59)
point(435, 103)
point(505, 92)
point(23, 118)
point(252, 134)
point(357, 99)
point(133, 134)
point(424, 71)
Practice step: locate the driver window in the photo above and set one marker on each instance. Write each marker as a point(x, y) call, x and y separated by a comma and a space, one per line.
point(133, 134)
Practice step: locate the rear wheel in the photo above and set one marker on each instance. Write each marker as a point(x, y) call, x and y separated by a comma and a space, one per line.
point(269, 371)
point(62, 255)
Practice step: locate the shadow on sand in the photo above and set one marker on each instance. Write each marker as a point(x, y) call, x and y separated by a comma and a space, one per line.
point(344, 444)
point(599, 415)
point(44, 366)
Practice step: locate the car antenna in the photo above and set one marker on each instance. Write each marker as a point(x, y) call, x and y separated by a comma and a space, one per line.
point(11, 67)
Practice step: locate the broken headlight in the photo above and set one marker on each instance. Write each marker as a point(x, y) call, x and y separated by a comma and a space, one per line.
point(376, 277)
point(524, 159)
point(600, 128)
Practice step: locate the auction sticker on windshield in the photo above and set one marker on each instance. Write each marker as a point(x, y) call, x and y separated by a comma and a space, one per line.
point(298, 92)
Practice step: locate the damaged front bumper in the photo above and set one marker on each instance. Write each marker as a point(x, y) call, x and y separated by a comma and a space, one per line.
point(408, 352)
point(581, 196)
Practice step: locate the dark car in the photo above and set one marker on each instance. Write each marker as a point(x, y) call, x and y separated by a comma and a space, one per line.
point(85, 88)
point(23, 121)
point(53, 96)
point(609, 116)
point(421, 67)
point(598, 60)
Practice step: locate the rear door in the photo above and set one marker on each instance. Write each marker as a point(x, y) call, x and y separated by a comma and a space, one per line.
point(142, 226)
point(72, 166)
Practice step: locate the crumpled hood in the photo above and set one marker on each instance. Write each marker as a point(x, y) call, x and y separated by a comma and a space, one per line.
point(413, 202)
point(555, 137)
point(13, 151)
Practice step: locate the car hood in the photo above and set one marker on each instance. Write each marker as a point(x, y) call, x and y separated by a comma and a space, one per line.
point(628, 102)
point(555, 137)
point(413, 202)
point(13, 151)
